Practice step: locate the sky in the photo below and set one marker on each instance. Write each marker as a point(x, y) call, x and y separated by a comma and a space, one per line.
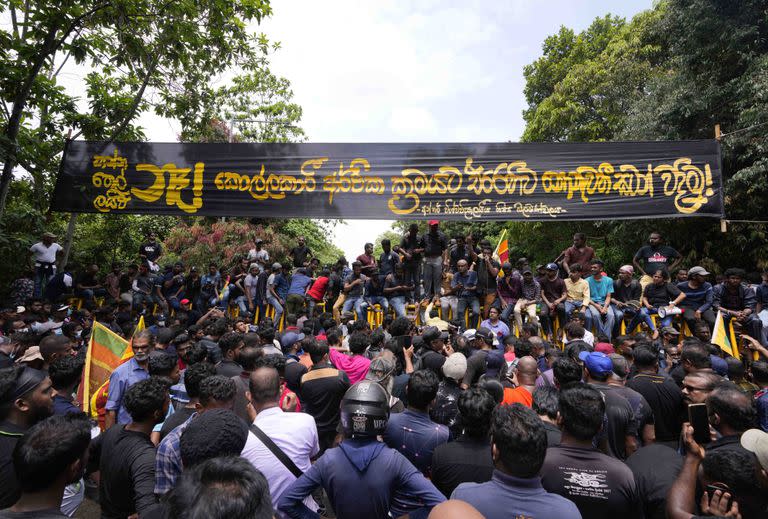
point(426, 71)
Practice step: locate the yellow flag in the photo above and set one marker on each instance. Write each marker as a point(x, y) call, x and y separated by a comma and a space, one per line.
point(725, 337)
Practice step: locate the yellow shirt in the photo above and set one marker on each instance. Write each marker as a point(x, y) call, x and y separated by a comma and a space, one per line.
point(578, 291)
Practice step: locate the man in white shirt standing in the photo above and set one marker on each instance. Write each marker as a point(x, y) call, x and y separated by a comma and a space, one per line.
point(258, 255)
point(293, 433)
point(44, 255)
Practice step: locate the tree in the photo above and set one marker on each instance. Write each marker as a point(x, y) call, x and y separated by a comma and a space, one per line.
point(672, 72)
point(132, 47)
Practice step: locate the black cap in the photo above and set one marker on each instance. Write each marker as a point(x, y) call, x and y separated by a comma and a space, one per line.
point(485, 334)
point(432, 333)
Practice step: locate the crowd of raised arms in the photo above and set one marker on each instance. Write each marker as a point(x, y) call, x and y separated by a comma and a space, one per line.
point(431, 381)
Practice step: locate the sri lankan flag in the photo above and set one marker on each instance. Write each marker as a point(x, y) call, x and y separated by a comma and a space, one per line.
point(503, 251)
point(106, 351)
point(725, 337)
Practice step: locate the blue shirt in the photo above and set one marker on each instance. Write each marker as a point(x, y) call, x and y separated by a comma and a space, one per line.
point(508, 496)
point(415, 436)
point(64, 406)
point(126, 375)
point(599, 290)
point(299, 283)
point(696, 298)
point(468, 279)
point(281, 286)
point(500, 328)
point(363, 478)
point(168, 464)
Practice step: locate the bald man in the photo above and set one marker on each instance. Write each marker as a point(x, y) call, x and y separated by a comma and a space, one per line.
point(294, 433)
point(525, 380)
point(455, 509)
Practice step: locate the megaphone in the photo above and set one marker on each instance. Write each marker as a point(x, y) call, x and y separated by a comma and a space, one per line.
point(665, 311)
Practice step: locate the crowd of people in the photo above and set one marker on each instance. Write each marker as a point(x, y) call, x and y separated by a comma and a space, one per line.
point(432, 380)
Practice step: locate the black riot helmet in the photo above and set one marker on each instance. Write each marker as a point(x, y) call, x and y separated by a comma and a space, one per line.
point(364, 410)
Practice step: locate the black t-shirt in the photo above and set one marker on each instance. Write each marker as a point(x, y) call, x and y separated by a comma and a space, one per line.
point(10, 492)
point(408, 244)
point(151, 250)
point(666, 401)
point(476, 366)
point(457, 254)
point(656, 259)
point(655, 468)
point(178, 417)
point(462, 461)
point(300, 255)
point(599, 485)
point(294, 370)
point(486, 283)
point(624, 293)
point(640, 407)
point(553, 434)
point(621, 420)
point(322, 389)
point(661, 295)
point(434, 244)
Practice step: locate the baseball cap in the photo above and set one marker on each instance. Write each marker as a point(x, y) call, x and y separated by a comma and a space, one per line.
point(493, 363)
point(455, 366)
point(596, 362)
point(670, 330)
point(469, 334)
point(551, 266)
point(604, 347)
point(434, 222)
point(276, 266)
point(485, 334)
point(431, 333)
point(62, 308)
point(380, 369)
point(756, 441)
point(184, 301)
point(697, 271)
point(32, 353)
point(48, 235)
point(289, 339)
point(259, 240)
point(527, 270)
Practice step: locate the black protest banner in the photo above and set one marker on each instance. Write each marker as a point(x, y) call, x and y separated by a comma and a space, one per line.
point(485, 181)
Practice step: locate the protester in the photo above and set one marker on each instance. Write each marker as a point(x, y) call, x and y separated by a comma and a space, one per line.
point(127, 456)
point(601, 486)
point(25, 399)
point(51, 455)
point(519, 447)
point(221, 488)
point(468, 457)
point(292, 434)
point(361, 461)
point(412, 432)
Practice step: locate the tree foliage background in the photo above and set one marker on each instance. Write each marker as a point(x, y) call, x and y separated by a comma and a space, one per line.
point(199, 62)
point(671, 72)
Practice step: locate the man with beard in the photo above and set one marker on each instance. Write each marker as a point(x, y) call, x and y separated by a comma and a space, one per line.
point(126, 375)
point(231, 344)
point(26, 397)
point(44, 467)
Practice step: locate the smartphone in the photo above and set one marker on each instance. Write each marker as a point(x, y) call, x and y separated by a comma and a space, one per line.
point(697, 416)
point(711, 489)
point(405, 341)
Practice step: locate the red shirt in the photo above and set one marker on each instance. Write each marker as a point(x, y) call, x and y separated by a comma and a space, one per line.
point(583, 257)
point(317, 292)
point(518, 395)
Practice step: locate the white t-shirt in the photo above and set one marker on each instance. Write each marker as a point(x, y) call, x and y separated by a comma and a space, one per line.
point(43, 254)
point(261, 256)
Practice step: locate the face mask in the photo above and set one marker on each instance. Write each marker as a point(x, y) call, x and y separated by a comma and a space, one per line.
point(161, 324)
point(23, 330)
point(79, 333)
